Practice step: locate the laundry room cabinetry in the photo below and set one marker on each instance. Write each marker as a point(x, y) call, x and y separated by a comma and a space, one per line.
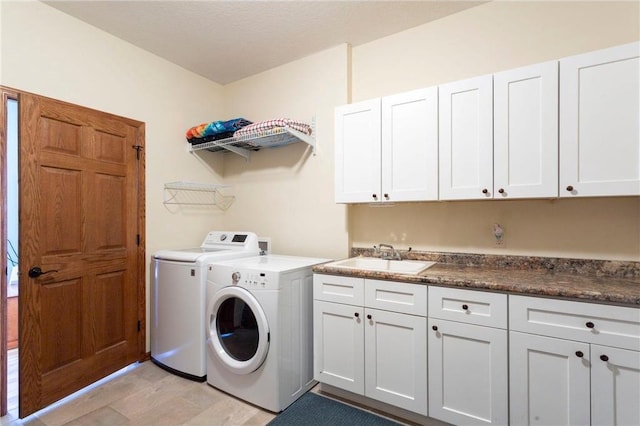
point(468, 356)
point(600, 123)
point(387, 149)
point(369, 339)
point(568, 356)
point(499, 135)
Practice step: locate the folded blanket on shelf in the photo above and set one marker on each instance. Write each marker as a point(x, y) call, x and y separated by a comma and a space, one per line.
point(216, 129)
point(262, 126)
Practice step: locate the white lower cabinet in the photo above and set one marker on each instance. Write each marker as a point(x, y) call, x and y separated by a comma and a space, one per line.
point(615, 386)
point(562, 373)
point(378, 353)
point(339, 345)
point(491, 358)
point(468, 364)
point(395, 354)
point(549, 381)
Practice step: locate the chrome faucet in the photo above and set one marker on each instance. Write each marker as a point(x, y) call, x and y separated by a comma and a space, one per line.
point(390, 254)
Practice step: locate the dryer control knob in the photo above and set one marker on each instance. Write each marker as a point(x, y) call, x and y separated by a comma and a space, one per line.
point(235, 277)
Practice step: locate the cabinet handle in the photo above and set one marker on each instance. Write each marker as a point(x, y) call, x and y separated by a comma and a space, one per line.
point(589, 324)
point(369, 316)
point(375, 196)
point(357, 315)
point(386, 196)
point(604, 358)
point(465, 307)
point(485, 191)
point(434, 327)
point(569, 188)
point(579, 354)
point(501, 191)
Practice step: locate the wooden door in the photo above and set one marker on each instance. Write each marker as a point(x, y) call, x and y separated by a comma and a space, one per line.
point(80, 223)
point(357, 152)
point(466, 139)
point(410, 146)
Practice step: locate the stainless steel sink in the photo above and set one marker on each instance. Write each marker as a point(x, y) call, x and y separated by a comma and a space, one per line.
point(413, 267)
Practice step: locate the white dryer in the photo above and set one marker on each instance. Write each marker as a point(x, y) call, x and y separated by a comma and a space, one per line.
point(178, 300)
point(260, 328)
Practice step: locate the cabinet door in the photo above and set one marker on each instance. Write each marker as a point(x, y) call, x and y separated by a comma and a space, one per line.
point(615, 386)
point(357, 152)
point(410, 146)
point(467, 373)
point(548, 381)
point(525, 144)
point(396, 359)
point(338, 345)
point(466, 139)
point(600, 123)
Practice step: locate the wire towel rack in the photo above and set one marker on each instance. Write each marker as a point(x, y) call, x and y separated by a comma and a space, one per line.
point(196, 194)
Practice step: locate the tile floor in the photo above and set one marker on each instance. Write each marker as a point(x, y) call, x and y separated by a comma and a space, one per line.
point(145, 394)
point(142, 394)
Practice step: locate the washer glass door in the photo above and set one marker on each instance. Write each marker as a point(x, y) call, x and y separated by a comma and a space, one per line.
point(238, 330)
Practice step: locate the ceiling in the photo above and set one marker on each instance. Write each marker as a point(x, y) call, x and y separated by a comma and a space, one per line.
point(226, 40)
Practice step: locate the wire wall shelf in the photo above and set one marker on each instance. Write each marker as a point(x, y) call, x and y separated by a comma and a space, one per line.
point(243, 145)
point(196, 194)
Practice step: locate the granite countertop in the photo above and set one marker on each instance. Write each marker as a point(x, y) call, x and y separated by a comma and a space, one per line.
point(610, 282)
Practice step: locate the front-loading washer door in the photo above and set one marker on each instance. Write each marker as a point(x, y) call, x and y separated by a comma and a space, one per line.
point(238, 332)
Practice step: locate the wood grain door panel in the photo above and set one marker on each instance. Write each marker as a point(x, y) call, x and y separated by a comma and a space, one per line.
point(79, 222)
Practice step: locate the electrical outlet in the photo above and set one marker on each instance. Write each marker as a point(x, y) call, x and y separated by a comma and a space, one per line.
point(498, 235)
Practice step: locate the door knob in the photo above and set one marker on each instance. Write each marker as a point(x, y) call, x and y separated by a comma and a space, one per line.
point(36, 271)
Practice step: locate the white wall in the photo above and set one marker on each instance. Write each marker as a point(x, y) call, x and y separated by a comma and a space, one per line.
point(286, 193)
point(492, 37)
point(49, 53)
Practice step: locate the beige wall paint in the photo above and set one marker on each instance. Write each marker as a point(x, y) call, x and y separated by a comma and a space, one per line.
point(488, 38)
point(286, 193)
point(491, 37)
point(49, 53)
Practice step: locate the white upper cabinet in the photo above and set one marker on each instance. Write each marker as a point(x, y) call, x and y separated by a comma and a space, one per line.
point(499, 135)
point(357, 152)
point(600, 123)
point(387, 149)
point(525, 140)
point(565, 128)
point(410, 146)
point(466, 139)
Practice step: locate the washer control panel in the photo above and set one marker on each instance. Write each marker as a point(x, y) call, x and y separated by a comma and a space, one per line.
point(251, 279)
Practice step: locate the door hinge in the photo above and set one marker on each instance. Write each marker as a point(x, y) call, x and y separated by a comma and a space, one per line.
point(138, 148)
point(139, 325)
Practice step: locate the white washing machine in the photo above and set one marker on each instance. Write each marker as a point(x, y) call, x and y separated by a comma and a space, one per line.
point(260, 328)
point(178, 300)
